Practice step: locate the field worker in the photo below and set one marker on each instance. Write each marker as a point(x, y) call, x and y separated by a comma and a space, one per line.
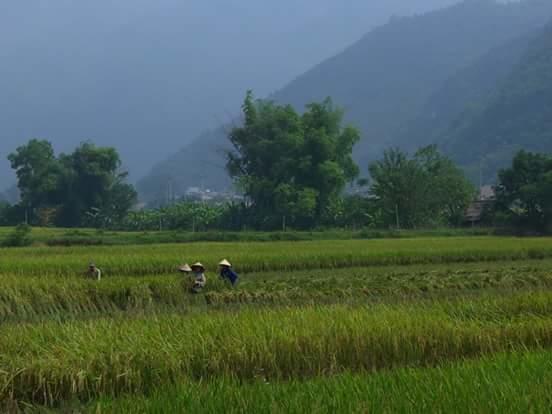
point(94, 272)
point(185, 269)
point(198, 276)
point(226, 272)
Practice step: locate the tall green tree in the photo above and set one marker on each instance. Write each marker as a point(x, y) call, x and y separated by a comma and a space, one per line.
point(88, 182)
point(38, 174)
point(95, 186)
point(291, 166)
point(426, 189)
point(524, 192)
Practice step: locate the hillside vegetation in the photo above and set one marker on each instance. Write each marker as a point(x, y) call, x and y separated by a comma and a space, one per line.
point(158, 72)
point(518, 116)
point(388, 80)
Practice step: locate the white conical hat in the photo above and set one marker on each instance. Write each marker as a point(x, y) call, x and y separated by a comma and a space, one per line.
point(185, 268)
point(198, 264)
point(225, 263)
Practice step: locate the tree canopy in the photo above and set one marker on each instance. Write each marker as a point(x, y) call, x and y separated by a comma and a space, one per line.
point(291, 166)
point(85, 187)
point(524, 192)
point(422, 190)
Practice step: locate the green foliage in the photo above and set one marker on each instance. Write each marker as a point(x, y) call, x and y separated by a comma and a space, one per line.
point(85, 187)
point(189, 216)
point(290, 165)
point(7, 214)
point(19, 237)
point(524, 193)
point(38, 173)
point(462, 95)
point(354, 212)
point(424, 190)
point(516, 116)
point(399, 73)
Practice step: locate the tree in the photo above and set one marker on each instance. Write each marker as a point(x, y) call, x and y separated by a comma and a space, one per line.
point(95, 186)
point(449, 191)
point(69, 188)
point(288, 165)
point(5, 213)
point(38, 174)
point(422, 190)
point(524, 192)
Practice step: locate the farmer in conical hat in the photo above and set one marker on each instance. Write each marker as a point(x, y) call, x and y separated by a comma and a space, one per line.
point(226, 272)
point(199, 279)
point(94, 272)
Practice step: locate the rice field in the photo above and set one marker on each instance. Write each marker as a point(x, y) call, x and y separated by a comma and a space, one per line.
point(405, 325)
point(504, 383)
point(276, 256)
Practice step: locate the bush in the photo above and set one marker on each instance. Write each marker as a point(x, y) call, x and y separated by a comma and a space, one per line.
point(19, 237)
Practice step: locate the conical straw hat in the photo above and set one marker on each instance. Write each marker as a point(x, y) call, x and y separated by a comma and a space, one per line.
point(198, 264)
point(185, 268)
point(225, 263)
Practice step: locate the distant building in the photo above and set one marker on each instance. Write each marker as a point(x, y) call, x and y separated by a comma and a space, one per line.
point(210, 196)
point(487, 193)
point(475, 212)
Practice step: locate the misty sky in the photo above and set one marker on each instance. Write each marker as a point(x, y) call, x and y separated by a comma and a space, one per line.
point(147, 76)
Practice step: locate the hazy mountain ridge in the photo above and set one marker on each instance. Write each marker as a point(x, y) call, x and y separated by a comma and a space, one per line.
point(385, 81)
point(518, 115)
point(467, 91)
point(147, 77)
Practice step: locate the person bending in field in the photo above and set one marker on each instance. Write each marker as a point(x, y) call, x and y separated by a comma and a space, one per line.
point(227, 274)
point(198, 278)
point(94, 272)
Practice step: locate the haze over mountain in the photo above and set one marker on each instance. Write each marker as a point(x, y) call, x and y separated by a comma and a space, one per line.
point(148, 76)
point(389, 81)
point(464, 92)
point(516, 115)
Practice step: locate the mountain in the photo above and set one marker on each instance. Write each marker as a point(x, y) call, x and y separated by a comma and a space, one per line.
point(466, 91)
point(385, 81)
point(148, 76)
point(518, 115)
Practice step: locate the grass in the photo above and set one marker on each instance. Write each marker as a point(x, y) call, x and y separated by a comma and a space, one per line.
point(110, 357)
point(91, 237)
point(506, 383)
point(52, 297)
point(356, 324)
point(280, 256)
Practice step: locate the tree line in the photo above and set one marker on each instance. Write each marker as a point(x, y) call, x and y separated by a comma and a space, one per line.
point(84, 188)
point(294, 170)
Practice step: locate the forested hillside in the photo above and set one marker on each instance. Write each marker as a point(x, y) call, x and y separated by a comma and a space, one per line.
point(387, 81)
point(465, 92)
point(518, 115)
point(148, 76)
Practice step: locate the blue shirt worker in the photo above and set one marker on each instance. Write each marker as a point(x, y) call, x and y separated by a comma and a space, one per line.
point(226, 272)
